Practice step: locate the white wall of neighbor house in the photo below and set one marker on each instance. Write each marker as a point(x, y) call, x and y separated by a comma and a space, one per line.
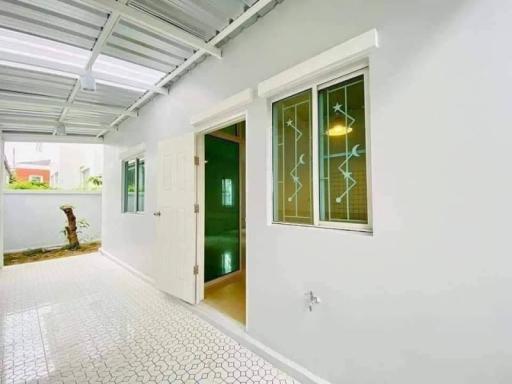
point(424, 299)
point(76, 161)
point(33, 219)
point(2, 178)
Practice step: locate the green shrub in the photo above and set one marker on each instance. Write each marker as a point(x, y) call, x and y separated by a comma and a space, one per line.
point(28, 185)
point(96, 181)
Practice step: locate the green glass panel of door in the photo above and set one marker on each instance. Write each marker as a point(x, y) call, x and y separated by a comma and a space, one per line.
point(222, 209)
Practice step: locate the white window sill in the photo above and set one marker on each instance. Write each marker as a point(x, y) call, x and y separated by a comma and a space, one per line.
point(358, 230)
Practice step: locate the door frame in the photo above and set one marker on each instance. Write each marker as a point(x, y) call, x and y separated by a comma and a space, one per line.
point(200, 198)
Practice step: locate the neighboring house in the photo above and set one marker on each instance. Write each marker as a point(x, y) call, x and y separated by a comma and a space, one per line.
point(33, 171)
point(62, 166)
point(74, 164)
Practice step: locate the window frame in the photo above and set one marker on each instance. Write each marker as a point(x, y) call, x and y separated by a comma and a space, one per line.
point(137, 158)
point(293, 93)
point(40, 179)
point(315, 86)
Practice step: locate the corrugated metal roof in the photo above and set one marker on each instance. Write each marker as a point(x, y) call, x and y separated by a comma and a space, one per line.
point(36, 69)
point(33, 82)
point(108, 95)
point(89, 117)
point(66, 21)
point(70, 129)
point(198, 17)
point(135, 44)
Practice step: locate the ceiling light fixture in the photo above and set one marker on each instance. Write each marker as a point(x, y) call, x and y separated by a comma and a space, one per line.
point(87, 82)
point(60, 130)
point(339, 130)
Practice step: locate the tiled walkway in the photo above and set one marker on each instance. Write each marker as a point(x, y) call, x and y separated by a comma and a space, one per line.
point(84, 319)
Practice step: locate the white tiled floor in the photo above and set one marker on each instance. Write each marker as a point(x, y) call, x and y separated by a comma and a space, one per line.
point(84, 319)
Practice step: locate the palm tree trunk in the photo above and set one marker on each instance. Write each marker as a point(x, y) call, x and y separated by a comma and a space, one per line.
point(71, 227)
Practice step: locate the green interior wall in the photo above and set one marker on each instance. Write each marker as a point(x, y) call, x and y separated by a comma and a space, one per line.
point(222, 207)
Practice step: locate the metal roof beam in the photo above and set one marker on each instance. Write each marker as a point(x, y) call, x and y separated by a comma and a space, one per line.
point(155, 25)
point(17, 124)
point(45, 138)
point(50, 67)
point(237, 23)
point(13, 101)
point(107, 30)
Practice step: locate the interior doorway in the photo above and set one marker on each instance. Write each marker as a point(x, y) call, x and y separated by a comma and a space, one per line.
point(224, 221)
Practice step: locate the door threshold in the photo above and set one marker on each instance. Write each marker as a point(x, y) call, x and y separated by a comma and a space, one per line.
point(222, 279)
point(213, 315)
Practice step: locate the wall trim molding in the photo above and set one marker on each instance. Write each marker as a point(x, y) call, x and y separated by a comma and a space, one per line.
point(320, 65)
point(128, 267)
point(224, 110)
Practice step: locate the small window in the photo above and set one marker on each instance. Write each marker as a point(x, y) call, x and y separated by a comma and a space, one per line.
point(335, 144)
point(35, 179)
point(227, 192)
point(133, 185)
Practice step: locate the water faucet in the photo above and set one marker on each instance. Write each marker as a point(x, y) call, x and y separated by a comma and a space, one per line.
point(312, 300)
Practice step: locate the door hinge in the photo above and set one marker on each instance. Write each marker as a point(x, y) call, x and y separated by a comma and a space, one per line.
point(196, 269)
point(196, 208)
point(196, 160)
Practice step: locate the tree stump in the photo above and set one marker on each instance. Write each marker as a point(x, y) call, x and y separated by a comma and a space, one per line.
point(71, 227)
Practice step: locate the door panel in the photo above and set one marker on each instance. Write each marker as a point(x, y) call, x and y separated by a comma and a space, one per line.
point(176, 224)
point(222, 209)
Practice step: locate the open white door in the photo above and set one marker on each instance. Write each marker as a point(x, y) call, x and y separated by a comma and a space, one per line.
point(176, 271)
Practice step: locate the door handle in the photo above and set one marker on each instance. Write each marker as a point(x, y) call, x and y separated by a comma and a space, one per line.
point(157, 213)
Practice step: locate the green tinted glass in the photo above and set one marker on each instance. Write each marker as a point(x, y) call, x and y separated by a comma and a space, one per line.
point(129, 186)
point(140, 184)
point(342, 152)
point(222, 207)
point(292, 167)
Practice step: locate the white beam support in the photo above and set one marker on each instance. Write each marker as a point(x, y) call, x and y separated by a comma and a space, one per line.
point(155, 25)
point(48, 138)
point(53, 67)
point(41, 103)
point(26, 120)
point(107, 30)
point(21, 124)
point(239, 22)
point(71, 98)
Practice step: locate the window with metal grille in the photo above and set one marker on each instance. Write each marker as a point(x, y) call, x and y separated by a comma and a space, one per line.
point(133, 185)
point(326, 156)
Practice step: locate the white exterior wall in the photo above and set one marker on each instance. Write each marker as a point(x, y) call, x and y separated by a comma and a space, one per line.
point(72, 158)
point(426, 299)
point(34, 219)
point(2, 178)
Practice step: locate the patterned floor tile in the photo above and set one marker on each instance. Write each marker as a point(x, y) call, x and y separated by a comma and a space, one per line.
point(86, 320)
